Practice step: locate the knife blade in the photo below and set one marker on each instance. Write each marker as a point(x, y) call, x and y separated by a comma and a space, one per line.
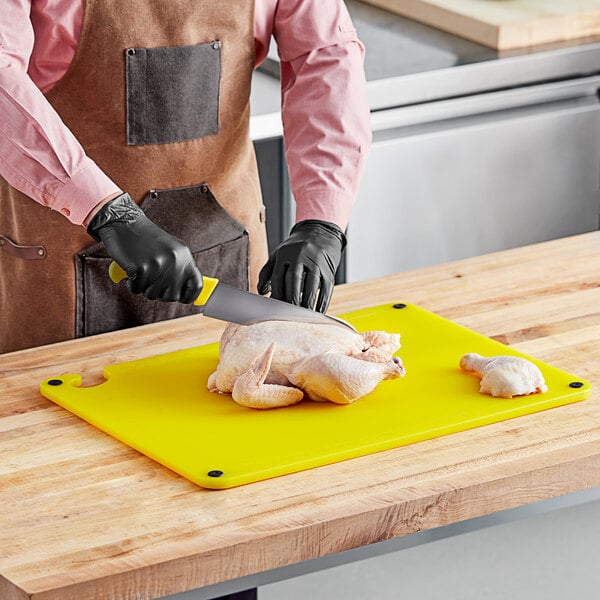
point(226, 303)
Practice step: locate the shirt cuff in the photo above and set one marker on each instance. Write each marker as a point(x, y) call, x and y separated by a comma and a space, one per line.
point(82, 192)
point(324, 205)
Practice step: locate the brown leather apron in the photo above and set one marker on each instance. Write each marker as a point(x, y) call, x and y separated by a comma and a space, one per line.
point(158, 95)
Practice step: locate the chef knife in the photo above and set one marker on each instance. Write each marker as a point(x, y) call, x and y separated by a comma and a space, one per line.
point(227, 303)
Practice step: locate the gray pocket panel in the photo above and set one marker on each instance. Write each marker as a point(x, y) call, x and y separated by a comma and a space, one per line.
point(172, 93)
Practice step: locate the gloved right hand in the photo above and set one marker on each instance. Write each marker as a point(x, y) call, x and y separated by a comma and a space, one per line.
point(158, 265)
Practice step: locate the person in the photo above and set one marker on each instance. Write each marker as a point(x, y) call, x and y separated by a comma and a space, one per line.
point(124, 135)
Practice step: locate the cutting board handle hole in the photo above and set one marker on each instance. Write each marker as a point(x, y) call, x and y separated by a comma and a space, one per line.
point(92, 379)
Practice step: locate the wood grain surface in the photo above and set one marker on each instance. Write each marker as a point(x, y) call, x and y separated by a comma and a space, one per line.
point(83, 516)
point(504, 24)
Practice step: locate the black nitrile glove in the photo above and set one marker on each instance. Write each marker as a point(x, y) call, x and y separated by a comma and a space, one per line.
point(158, 265)
point(302, 268)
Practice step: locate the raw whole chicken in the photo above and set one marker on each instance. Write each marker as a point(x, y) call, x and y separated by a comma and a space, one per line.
point(505, 376)
point(277, 363)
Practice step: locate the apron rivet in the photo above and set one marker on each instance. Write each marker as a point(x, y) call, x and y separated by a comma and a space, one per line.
point(216, 45)
point(399, 305)
point(154, 194)
point(576, 384)
point(131, 51)
point(204, 189)
point(55, 382)
point(215, 473)
point(41, 252)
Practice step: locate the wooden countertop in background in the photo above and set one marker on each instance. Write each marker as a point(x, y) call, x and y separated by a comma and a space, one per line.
point(83, 516)
point(516, 24)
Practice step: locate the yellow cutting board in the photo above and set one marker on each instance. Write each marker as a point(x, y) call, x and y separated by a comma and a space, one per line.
point(161, 406)
point(504, 24)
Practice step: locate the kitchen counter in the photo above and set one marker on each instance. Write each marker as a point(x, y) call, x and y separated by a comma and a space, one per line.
point(408, 63)
point(84, 516)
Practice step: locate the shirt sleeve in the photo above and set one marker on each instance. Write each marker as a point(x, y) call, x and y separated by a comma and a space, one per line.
point(325, 110)
point(38, 153)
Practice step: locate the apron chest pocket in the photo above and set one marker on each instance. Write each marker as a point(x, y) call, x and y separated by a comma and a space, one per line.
point(172, 93)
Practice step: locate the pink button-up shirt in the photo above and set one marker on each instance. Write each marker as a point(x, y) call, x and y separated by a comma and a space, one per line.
point(325, 111)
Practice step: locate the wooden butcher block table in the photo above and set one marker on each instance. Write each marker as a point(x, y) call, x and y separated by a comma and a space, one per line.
point(84, 516)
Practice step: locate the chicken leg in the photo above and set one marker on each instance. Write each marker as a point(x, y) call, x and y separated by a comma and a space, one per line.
point(341, 379)
point(505, 376)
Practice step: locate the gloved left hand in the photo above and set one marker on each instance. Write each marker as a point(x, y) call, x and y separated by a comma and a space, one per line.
point(301, 270)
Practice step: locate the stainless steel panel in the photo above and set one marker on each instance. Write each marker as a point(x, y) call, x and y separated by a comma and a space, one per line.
point(439, 190)
point(538, 97)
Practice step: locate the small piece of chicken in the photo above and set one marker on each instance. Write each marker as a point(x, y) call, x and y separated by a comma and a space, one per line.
point(505, 376)
point(277, 363)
